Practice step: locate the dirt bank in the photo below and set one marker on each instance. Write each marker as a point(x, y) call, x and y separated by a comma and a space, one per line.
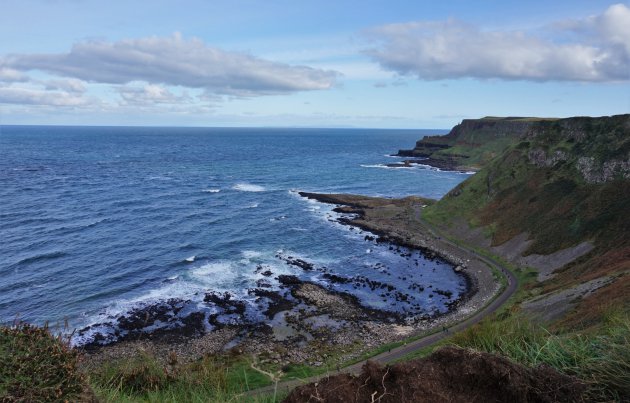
point(448, 375)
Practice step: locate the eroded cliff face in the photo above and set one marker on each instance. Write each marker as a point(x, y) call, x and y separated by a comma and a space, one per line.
point(598, 149)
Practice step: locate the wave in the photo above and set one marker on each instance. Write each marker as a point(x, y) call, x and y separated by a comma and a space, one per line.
point(425, 166)
point(159, 178)
point(211, 190)
point(94, 223)
point(384, 166)
point(248, 187)
point(43, 256)
point(432, 168)
point(29, 169)
point(251, 254)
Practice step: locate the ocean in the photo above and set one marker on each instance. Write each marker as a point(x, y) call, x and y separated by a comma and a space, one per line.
point(98, 221)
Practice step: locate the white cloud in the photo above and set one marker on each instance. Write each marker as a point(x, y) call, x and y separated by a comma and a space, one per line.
point(8, 75)
point(10, 95)
point(67, 84)
point(454, 49)
point(613, 26)
point(174, 61)
point(149, 94)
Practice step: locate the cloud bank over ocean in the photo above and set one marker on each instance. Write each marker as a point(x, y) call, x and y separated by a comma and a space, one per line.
point(598, 50)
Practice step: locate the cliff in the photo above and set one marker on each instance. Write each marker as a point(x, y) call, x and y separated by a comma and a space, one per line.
point(470, 144)
point(551, 194)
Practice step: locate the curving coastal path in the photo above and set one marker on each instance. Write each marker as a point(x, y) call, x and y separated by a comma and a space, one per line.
point(413, 346)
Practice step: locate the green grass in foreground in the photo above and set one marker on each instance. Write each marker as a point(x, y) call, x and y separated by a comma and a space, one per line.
point(601, 360)
point(142, 378)
point(37, 366)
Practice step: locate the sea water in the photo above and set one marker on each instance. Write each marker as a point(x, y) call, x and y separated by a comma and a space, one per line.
point(95, 221)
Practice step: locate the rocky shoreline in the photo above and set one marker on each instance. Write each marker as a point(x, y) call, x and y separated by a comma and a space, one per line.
point(443, 164)
point(306, 323)
point(398, 221)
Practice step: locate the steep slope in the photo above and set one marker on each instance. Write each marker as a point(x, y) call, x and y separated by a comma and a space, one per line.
point(557, 197)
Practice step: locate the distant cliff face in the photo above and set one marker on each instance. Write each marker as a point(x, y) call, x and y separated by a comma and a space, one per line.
point(470, 144)
point(596, 147)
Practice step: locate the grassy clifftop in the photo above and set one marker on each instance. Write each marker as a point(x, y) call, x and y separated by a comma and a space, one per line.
point(472, 143)
point(558, 182)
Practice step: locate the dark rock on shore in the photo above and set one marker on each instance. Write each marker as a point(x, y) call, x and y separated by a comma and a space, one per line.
point(277, 302)
point(289, 280)
point(302, 264)
point(226, 302)
point(138, 325)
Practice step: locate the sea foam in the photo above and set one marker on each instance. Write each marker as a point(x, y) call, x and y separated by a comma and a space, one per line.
point(384, 166)
point(248, 187)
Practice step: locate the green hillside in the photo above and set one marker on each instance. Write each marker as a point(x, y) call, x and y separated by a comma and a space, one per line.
point(560, 181)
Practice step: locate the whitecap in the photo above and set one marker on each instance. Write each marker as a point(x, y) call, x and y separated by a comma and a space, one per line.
point(251, 254)
point(384, 166)
point(248, 187)
point(211, 190)
point(429, 167)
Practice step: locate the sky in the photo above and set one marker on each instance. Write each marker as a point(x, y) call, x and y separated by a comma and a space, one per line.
point(302, 63)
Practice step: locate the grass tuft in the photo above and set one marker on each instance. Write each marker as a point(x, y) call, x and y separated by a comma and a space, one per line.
point(601, 360)
point(37, 366)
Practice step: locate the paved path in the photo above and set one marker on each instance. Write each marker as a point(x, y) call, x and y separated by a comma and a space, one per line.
point(413, 346)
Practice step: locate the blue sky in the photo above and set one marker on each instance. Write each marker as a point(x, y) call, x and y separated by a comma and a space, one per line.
point(389, 64)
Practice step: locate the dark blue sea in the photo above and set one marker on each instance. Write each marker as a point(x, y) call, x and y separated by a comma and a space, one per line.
point(95, 221)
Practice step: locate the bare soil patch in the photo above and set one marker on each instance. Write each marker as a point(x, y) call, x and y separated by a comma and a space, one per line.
point(448, 375)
